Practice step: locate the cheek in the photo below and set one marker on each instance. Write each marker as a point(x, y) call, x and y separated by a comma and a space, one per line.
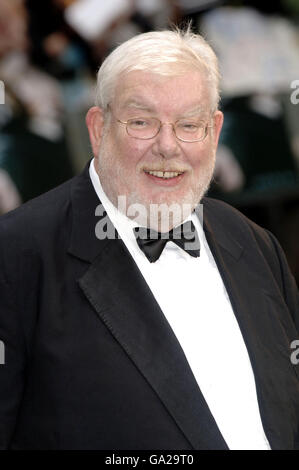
point(197, 159)
point(135, 153)
point(203, 156)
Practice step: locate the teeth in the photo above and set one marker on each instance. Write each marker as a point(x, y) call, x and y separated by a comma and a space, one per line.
point(164, 174)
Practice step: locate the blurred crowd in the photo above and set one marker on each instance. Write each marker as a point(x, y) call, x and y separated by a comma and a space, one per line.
point(50, 51)
point(49, 54)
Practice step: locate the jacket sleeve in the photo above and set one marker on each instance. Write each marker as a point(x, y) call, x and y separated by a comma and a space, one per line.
point(286, 281)
point(19, 275)
point(12, 364)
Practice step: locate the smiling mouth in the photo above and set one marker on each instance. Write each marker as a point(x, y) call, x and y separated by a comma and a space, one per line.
point(164, 174)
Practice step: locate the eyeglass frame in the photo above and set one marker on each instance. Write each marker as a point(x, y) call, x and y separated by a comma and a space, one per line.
point(160, 126)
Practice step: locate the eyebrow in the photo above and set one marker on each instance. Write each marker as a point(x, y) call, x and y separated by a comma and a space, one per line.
point(133, 103)
point(136, 104)
point(194, 111)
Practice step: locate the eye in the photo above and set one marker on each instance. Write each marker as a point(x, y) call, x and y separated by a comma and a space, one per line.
point(188, 126)
point(139, 123)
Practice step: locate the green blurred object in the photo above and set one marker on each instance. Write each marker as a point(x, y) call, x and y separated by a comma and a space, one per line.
point(292, 6)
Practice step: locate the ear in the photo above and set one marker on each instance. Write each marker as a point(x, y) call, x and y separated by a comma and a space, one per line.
point(95, 124)
point(217, 124)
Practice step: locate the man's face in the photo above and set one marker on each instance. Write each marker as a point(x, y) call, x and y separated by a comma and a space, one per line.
point(123, 163)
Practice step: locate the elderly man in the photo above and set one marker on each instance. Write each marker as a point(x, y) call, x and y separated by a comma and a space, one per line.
point(129, 320)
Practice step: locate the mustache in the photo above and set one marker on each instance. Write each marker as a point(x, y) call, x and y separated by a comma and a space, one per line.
point(177, 168)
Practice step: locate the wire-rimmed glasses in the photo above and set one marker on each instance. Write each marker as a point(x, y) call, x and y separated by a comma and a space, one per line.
point(186, 130)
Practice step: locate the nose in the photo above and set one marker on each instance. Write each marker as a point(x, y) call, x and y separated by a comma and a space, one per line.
point(166, 143)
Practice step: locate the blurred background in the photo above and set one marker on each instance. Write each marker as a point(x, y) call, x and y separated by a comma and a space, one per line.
point(50, 51)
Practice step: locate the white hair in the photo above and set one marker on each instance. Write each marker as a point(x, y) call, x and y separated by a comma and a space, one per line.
point(168, 53)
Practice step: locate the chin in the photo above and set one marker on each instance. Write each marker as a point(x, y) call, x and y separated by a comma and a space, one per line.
point(163, 211)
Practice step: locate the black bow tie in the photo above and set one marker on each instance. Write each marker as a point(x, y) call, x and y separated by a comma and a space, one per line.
point(152, 243)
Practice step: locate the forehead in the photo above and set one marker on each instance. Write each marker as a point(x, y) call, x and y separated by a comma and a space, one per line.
point(155, 93)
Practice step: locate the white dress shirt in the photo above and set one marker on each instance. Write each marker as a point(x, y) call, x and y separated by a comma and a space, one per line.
point(193, 298)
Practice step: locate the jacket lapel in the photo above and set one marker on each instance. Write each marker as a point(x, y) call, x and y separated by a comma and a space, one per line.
point(125, 304)
point(257, 308)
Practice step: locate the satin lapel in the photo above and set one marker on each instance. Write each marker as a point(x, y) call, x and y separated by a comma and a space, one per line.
point(257, 309)
point(117, 291)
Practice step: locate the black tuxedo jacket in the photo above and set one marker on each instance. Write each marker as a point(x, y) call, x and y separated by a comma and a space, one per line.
point(90, 360)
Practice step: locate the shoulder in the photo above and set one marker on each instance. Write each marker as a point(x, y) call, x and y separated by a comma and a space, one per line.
point(224, 216)
point(259, 244)
point(234, 225)
point(34, 211)
point(43, 212)
point(35, 226)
